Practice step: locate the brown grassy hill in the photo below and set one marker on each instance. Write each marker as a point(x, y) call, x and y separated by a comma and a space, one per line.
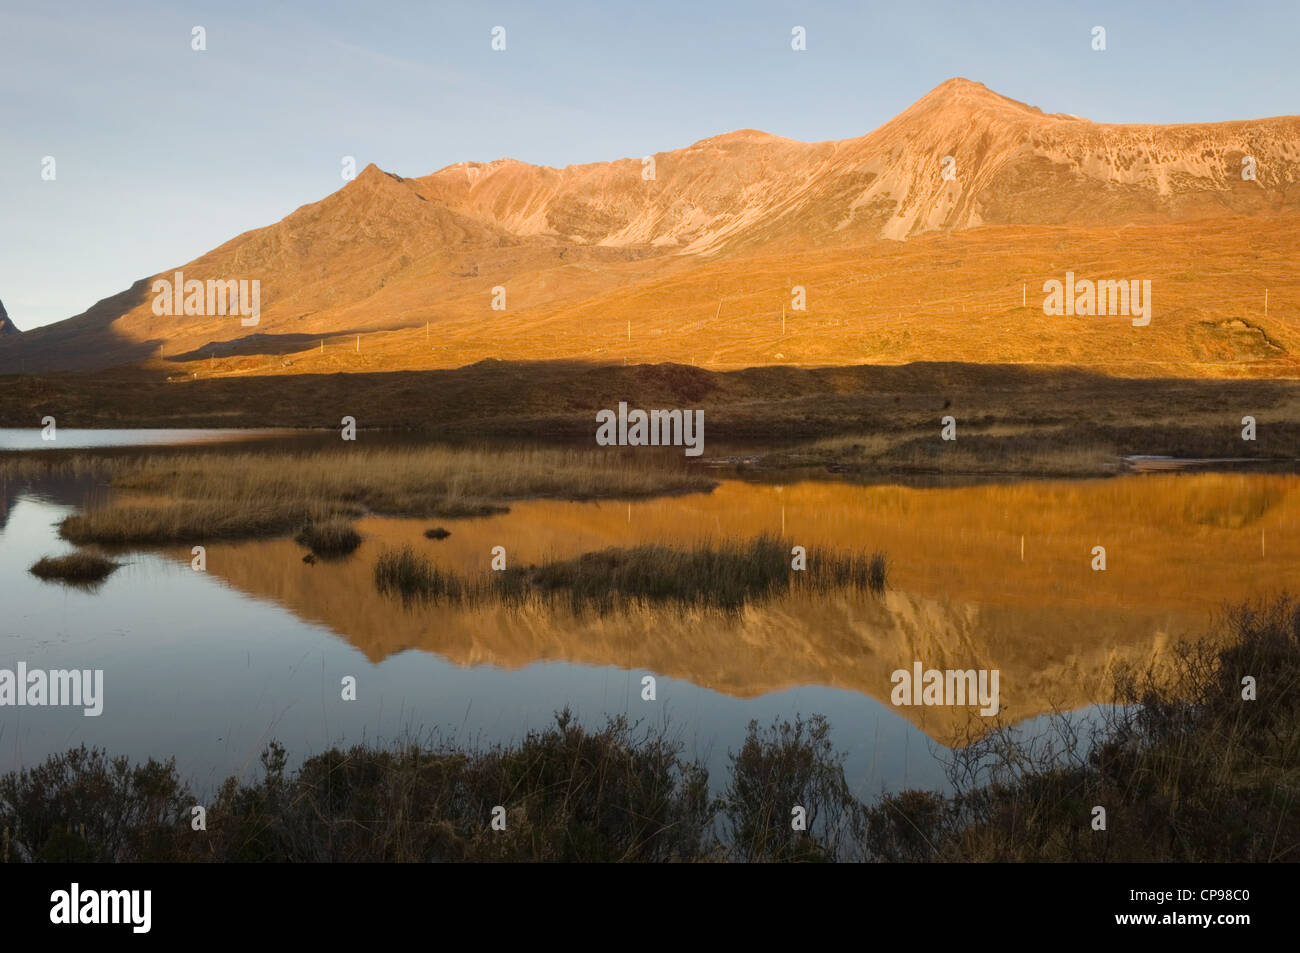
point(696, 264)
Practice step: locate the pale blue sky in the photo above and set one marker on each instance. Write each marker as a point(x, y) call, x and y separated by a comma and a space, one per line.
point(163, 153)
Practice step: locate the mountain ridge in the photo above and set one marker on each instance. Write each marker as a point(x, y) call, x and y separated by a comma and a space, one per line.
point(386, 252)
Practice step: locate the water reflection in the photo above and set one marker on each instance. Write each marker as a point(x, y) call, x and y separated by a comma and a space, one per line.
point(208, 666)
point(990, 577)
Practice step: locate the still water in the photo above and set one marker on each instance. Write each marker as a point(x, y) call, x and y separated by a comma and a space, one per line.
point(208, 667)
point(74, 439)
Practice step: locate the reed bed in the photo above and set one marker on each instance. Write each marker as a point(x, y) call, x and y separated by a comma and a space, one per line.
point(191, 497)
point(726, 576)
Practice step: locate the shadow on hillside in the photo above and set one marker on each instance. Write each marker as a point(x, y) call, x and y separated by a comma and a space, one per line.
point(262, 345)
point(80, 343)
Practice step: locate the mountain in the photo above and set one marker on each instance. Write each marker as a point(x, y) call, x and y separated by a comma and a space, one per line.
point(928, 238)
point(7, 328)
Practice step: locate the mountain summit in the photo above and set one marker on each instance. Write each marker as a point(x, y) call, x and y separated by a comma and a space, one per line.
point(6, 325)
point(609, 243)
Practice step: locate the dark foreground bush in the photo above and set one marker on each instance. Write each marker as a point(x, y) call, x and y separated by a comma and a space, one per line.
point(84, 806)
point(1185, 767)
point(568, 794)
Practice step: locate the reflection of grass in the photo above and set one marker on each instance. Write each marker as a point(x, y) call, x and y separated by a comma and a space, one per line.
point(216, 496)
point(726, 576)
point(79, 568)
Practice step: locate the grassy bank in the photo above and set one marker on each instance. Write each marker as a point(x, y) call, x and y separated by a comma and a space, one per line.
point(724, 576)
point(178, 497)
point(998, 451)
point(1186, 769)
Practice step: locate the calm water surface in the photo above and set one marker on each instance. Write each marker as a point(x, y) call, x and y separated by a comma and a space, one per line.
point(73, 439)
point(208, 667)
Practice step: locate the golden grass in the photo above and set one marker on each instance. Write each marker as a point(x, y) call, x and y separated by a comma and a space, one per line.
point(241, 495)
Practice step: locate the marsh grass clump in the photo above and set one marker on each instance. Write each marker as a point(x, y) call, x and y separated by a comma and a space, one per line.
point(331, 539)
point(862, 571)
point(726, 577)
point(723, 577)
point(80, 568)
point(413, 577)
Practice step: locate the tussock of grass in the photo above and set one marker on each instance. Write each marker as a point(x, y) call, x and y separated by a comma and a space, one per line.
point(406, 573)
point(244, 495)
point(727, 576)
point(79, 568)
point(332, 538)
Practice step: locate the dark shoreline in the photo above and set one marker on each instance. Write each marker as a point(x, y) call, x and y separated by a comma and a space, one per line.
point(1011, 420)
